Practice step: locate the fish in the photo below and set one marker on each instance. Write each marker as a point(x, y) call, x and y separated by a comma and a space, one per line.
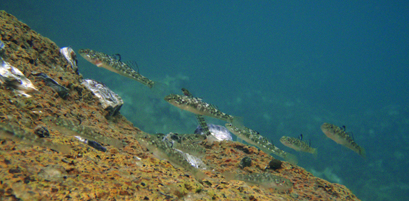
point(340, 136)
point(112, 63)
point(164, 150)
point(197, 106)
point(297, 144)
point(254, 138)
point(266, 180)
point(194, 161)
point(14, 132)
point(200, 118)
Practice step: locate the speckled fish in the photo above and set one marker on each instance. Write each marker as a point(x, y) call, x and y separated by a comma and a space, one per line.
point(266, 180)
point(297, 144)
point(197, 106)
point(200, 118)
point(341, 137)
point(113, 64)
point(254, 138)
point(164, 150)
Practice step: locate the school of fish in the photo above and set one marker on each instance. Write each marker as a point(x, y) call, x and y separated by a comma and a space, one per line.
point(254, 138)
point(200, 108)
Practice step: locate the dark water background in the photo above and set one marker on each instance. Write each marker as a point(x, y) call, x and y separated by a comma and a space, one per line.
point(286, 67)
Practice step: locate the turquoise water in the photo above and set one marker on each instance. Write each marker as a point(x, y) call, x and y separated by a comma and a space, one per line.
point(285, 67)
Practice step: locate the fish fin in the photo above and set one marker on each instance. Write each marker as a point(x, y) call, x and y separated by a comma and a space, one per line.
point(186, 92)
point(362, 152)
point(315, 153)
point(133, 65)
point(240, 140)
point(159, 89)
point(351, 135)
point(238, 122)
point(117, 56)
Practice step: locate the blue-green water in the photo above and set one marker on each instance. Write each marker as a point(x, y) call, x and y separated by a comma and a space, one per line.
point(286, 67)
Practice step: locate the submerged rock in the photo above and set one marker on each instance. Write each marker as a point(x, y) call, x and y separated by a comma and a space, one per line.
point(109, 100)
point(2, 45)
point(52, 173)
point(14, 78)
point(221, 133)
point(41, 131)
point(196, 162)
point(92, 143)
point(274, 164)
point(61, 90)
point(71, 57)
point(245, 162)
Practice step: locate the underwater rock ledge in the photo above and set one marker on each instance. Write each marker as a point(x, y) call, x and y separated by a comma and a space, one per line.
point(58, 166)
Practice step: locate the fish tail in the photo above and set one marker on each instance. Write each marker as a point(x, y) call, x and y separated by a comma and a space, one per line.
point(362, 152)
point(237, 122)
point(158, 88)
point(314, 152)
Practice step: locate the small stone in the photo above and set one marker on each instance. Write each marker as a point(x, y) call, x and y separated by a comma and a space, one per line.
point(41, 131)
point(61, 90)
point(27, 180)
point(274, 164)
point(71, 57)
point(96, 145)
point(16, 170)
point(245, 162)
point(114, 151)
